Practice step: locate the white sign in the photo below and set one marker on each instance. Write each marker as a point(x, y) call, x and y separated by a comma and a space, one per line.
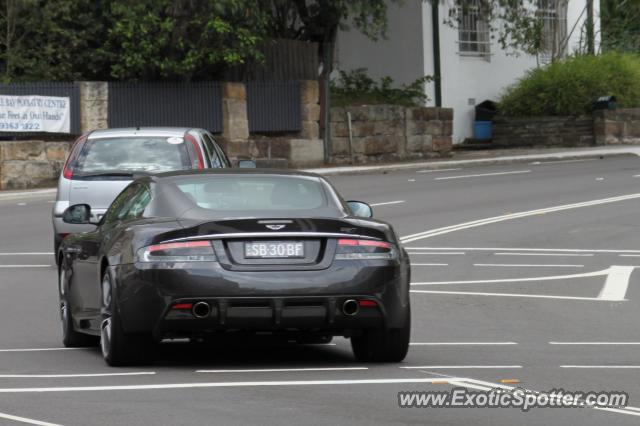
point(34, 114)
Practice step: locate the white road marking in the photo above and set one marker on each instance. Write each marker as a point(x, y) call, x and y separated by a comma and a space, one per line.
point(502, 218)
point(28, 254)
point(387, 203)
point(527, 265)
point(625, 410)
point(462, 343)
point(22, 204)
point(26, 420)
point(546, 254)
point(429, 264)
point(219, 385)
point(616, 284)
point(594, 343)
point(629, 255)
point(40, 349)
point(501, 249)
point(602, 366)
point(447, 367)
point(438, 170)
point(563, 161)
point(512, 280)
point(533, 296)
point(13, 194)
point(57, 376)
point(25, 266)
point(515, 172)
point(442, 253)
point(274, 370)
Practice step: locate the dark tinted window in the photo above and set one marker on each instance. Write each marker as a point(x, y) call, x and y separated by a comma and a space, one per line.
point(151, 154)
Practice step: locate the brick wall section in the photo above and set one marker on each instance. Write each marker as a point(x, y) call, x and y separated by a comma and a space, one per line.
point(389, 133)
point(543, 131)
point(31, 164)
point(620, 126)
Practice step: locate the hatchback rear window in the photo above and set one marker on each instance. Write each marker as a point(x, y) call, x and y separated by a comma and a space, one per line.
point(147, 154)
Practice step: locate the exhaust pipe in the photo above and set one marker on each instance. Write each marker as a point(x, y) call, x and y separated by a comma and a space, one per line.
point(350, 307)
point(201, 310)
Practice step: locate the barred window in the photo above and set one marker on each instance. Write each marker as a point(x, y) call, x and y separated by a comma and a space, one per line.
point(553, 40)
point(473, 31)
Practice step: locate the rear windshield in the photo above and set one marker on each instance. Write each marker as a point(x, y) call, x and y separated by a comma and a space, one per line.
point(254, 193)
point(147, 154)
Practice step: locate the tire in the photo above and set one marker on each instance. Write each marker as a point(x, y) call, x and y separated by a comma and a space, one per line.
point(120, 348)
point(70, 337)
point(385, 345)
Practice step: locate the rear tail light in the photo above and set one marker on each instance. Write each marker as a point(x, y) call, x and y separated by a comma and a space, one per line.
point(197, 160)
point(67, 171)
point(189, 251)
point(349, 249)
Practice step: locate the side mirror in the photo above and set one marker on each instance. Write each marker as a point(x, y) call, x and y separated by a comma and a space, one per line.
point(78, 214)
point(247, 164)
point(360, 209)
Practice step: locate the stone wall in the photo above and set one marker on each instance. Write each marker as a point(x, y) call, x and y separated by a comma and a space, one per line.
point(620, 126)
point(31, 164)
point(543, 131)
point(389, 133)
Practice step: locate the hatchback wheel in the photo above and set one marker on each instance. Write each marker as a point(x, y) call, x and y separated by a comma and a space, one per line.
point(383, 345)
point(120, 348)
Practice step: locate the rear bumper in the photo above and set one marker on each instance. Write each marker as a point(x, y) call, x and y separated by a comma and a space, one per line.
point(268, 301)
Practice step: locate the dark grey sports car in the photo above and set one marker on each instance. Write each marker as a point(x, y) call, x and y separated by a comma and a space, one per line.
point(193, 254)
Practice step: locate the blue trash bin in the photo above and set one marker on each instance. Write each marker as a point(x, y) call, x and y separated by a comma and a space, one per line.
point(482, 130)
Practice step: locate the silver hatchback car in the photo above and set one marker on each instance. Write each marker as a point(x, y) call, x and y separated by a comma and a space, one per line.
point(103, 162)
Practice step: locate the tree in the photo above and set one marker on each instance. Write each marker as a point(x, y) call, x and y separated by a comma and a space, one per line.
point(182, 39)
point(620, 22)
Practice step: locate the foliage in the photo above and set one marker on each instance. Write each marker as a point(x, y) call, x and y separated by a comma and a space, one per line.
point(569, 87)
point(620, 22)
point(357, 88)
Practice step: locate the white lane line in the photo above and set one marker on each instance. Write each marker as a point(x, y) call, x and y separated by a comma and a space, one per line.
point(563, 161)
point(11, 195)
point(275, 370)
point(546, 254)
point(594, 343)
point(429, 264)
point(438, 170)
point(533, 296)
point(505, 265)
point(629, 255)
point(462, 343)
point(626, 410)
point(501, 249)
point(28, 254)
point(387, 203)
point(502, 218)
point(514, 280)
point(26, 420)
point(40, 349)
point(447, 367)
point(57, 376)
point(221, 385)
point(602, 366)
point(616, 284)
point(441, 253)
point(515, 172)
point(25, 266)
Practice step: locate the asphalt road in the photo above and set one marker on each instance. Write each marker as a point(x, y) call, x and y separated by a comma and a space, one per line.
point(523, 276)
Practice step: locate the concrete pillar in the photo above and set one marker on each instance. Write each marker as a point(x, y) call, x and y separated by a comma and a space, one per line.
point(235, 123)
point(94, 105)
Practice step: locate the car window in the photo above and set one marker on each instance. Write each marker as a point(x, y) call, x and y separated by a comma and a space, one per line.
point(216, 159)
point(121, 204)
point(242, 193)
point(138, 204)
point(149, 154)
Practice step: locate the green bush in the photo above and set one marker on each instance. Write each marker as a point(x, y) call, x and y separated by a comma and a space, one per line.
point(357, 88)
point(569, 87)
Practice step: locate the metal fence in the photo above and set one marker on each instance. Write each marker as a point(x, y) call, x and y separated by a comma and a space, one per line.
point(273, 106)
point(62, 89)
point(193, 104)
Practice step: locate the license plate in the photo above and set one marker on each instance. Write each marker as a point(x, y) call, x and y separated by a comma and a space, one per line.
point(273, 250)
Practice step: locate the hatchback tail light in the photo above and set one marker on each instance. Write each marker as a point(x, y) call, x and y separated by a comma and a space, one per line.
point(350, 249)
point(197, 159)
point(67, 170)
point(188, 251)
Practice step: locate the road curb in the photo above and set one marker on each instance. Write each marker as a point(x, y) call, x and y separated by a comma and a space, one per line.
point(439, 164)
